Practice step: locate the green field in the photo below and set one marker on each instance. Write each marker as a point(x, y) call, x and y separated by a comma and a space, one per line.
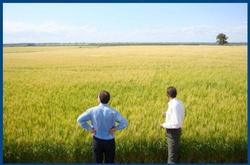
point(45, 89)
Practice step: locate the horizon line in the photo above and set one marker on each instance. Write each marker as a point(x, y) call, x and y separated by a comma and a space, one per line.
point(125, 42)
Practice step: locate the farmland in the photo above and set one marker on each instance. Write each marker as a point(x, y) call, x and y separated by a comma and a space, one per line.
point(45, 89)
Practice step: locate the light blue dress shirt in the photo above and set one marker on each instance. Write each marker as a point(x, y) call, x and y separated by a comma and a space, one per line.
point(102, 118)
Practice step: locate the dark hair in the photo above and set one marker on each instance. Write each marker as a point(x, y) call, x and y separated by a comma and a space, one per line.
point(104, 97)
point(171, 92)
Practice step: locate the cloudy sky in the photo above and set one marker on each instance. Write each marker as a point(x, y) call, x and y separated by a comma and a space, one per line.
point(164, 22)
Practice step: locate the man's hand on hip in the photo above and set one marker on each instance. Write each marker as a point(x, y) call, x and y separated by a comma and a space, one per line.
point(93, 131)
point(112, 131)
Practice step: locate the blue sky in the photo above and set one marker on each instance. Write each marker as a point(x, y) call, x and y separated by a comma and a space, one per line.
point(90, 22)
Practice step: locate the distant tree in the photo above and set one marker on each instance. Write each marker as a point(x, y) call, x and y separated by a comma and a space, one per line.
point(222, 39)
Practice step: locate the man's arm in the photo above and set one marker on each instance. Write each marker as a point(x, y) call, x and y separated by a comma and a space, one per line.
point(122, 122)
point(83, 118)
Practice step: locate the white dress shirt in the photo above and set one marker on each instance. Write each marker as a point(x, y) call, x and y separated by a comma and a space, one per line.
point(174, 115)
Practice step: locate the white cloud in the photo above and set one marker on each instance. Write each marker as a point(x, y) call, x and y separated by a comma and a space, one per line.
point(200, 33)
point(45, 27)
point(52, 31)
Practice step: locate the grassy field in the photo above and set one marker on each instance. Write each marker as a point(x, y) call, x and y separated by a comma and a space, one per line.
point(47, 88)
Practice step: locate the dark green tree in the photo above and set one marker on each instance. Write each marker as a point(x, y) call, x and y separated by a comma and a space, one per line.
point(222, 39)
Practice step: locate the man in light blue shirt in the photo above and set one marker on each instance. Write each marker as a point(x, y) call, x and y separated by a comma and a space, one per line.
point(104, 122)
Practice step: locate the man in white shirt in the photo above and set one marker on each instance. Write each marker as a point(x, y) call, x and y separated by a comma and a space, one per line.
point(173, 124)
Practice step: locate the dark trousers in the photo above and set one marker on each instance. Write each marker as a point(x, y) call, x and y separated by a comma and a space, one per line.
point(173, 138)
point(104, 148)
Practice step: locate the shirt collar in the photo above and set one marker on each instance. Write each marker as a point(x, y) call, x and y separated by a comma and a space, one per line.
point(171, 100)
point(101, 104)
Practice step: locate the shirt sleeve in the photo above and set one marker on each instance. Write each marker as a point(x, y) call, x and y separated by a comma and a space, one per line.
point(121, 120)
point(83, 118)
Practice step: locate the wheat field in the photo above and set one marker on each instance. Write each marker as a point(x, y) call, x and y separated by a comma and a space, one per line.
point(45, 89)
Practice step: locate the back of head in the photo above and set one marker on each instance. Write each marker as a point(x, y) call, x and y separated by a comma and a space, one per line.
point(104, 97)
point(171, 92)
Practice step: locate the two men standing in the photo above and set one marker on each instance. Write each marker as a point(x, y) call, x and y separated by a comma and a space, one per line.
point(104, 121)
